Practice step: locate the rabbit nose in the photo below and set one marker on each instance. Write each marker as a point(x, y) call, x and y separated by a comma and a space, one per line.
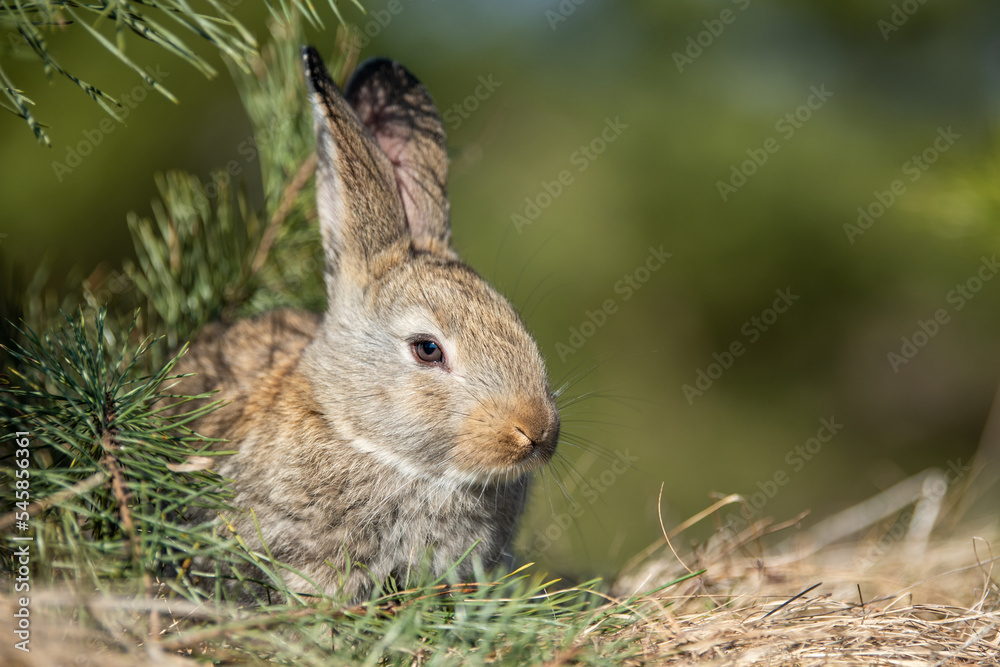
point(541, 431)
point(523, 439)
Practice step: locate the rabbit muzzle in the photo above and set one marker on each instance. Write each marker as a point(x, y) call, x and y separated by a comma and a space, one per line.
point(508, 441)
point(536, 436)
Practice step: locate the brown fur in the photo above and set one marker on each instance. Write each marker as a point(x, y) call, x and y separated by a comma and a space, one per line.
point(350, 449)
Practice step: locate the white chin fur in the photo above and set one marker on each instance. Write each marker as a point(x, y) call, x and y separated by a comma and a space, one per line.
point(447, 476)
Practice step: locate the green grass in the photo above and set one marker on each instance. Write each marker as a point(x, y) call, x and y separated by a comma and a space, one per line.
point(520, 618)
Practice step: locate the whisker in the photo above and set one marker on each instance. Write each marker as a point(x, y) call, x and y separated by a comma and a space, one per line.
point(570, 379)
point(530, 312)
point(524, 266)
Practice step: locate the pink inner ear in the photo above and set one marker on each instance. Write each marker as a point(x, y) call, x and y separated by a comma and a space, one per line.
point(402, 118)
point(407, 176)
point(423, 195)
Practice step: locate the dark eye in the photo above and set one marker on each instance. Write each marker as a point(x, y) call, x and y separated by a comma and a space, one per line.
point(428, 351)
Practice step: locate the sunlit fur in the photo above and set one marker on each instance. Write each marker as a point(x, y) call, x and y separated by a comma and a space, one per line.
point(350, 450)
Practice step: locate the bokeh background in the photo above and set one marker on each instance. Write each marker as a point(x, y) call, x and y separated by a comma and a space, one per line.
point(686, 117)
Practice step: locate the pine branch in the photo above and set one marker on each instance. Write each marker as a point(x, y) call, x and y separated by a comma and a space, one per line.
point(110, 23)
point(105, 498)
point(305, 172)
point(204, 255)
point(81, 487)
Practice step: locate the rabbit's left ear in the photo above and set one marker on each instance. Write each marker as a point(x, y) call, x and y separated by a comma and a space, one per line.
point(400, 114)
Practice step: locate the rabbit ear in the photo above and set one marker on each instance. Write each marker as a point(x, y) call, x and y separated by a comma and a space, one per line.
point(361, 216)
point(401, 116)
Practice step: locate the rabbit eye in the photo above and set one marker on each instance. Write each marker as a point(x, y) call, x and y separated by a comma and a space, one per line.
point(428, 352)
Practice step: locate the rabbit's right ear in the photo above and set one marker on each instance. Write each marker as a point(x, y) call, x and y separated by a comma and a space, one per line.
point(360, 211)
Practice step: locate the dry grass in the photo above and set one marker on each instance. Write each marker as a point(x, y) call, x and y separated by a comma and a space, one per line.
point(879, 600)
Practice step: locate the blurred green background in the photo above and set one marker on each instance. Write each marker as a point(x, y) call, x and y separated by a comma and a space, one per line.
point(561, 74)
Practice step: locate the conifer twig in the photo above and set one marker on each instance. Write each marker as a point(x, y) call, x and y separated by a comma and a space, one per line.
point(285, 207)
point(81, 487)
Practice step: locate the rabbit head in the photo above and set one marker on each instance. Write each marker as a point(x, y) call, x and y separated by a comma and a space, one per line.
point(418, 361)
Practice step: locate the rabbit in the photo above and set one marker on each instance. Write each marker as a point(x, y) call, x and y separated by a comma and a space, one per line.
point(400, 428)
